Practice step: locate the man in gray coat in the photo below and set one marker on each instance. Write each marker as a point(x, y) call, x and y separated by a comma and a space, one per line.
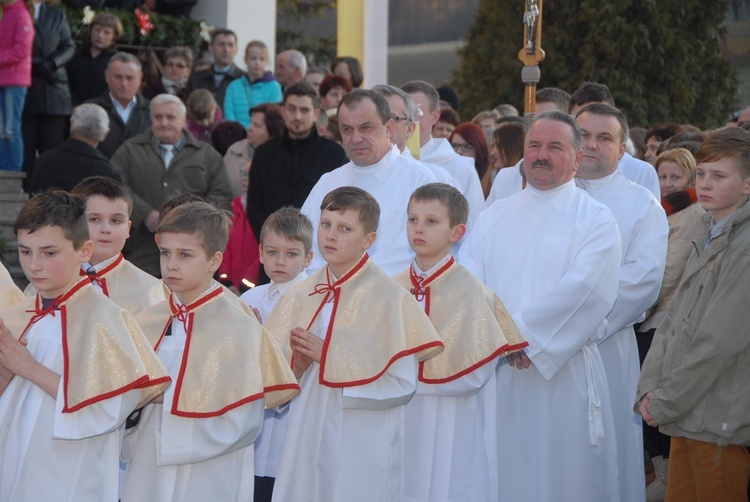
point(160, 163)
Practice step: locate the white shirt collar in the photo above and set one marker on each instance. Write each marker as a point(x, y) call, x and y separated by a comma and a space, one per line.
point(277, 290)
point(101, 265)
point(433, 269)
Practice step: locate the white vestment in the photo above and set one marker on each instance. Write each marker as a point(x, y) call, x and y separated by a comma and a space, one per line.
point(345, 444)
point(553, 257)
point(445, 454)
point(643, 233)
point(507, 182)
point(439, 151)
point(391, 181)
point(173, 458)
point(50, 455)
point(267, 447)
point(640, 172)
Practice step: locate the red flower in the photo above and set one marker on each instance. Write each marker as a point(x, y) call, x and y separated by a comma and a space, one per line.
point(143, 22)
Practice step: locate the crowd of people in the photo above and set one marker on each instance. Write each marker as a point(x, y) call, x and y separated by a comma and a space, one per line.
point(282, 286)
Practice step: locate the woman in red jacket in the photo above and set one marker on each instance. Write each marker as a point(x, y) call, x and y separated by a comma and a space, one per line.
point(16, 36)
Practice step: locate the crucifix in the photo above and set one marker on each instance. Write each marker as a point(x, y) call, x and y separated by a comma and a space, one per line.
point(531, 54)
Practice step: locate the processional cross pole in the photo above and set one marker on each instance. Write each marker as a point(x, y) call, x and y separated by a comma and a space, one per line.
point(531, 54)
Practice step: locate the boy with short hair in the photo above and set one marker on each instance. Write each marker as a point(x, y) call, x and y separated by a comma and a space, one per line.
point(108, 207)
point(285, 251)
point(693, 382)
point(73, 366)
point(190, 444)
point(445, 457)
point(355, 339)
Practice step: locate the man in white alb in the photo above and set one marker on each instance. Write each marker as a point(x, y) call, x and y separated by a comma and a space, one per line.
point(439, 150)
point(643, 232)
point(377, 167)
point(552, 254)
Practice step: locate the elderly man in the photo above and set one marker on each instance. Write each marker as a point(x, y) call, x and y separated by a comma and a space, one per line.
point(77, 157)
point(160, 163)
point(376, 166)
point(552, 254)
point(291, 67)
point(216, 79)
point(439, 151)
point(643, 235)
point(126, 107)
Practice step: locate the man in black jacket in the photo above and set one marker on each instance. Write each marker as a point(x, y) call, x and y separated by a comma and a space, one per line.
point(47, 106)
point(216, 79)
point(127, 109)
point(285, 169)
point(77, 157)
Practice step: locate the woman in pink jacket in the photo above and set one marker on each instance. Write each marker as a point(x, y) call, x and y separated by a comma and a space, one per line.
point(16, 36)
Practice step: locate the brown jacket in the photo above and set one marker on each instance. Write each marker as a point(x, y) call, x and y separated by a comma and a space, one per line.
point(196, 168)
point(698, 366)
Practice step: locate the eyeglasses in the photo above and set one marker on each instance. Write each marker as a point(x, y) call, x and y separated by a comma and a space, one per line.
point(463, 147)
point(396, 118)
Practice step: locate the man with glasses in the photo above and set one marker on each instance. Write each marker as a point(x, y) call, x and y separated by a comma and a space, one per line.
point(285, 169)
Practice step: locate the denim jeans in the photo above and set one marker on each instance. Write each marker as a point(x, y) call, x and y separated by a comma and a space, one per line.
point(11, 141)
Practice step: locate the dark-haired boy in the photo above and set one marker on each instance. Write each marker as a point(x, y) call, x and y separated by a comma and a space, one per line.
point(445, 456)
point(108, 207)
point(357, 357)
point(192, 443)
point(73, 366)
point(694, 380)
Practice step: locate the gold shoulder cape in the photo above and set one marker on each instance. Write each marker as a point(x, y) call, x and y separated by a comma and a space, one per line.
point(104, 351)
point(229, 359)
point(10, 294)
point(374, 322)
point(125, 284)
point(469, 317)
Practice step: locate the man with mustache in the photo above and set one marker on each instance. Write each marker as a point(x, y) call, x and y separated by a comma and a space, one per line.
point(552, 254)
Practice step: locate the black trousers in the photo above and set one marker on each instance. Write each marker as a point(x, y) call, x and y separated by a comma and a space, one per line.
point(40, 133)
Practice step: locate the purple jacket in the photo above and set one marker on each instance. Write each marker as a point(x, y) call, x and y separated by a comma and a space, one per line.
point(16, 37)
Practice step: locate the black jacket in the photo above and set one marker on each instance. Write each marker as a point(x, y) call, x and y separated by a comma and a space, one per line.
point(139, 121)
point(65, 166)
point(284, 172)
point(52, 49)
point(86, 74)
point(205, 80)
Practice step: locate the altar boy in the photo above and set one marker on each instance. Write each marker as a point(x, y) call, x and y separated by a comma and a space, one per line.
point(73, 366)
point(189, 445)
point(355, 338)
point(445, 457)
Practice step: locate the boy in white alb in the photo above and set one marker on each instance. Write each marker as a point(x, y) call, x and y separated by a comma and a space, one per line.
point(355, 339)
point(108, 207)
point(190, 443)
point(285, 251)
point(73, 366)
point(445, 457)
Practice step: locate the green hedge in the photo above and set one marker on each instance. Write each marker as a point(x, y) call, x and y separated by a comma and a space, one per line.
point(169, 31)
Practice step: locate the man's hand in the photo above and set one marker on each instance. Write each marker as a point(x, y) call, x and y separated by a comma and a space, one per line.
point(519, 360)
point(151, 221)
point(643, 408)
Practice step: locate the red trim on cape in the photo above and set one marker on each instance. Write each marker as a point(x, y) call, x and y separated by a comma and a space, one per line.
point(424, 285)
point(183, 364)
point(336, 288)
point(99, 275)
point(505, 348)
